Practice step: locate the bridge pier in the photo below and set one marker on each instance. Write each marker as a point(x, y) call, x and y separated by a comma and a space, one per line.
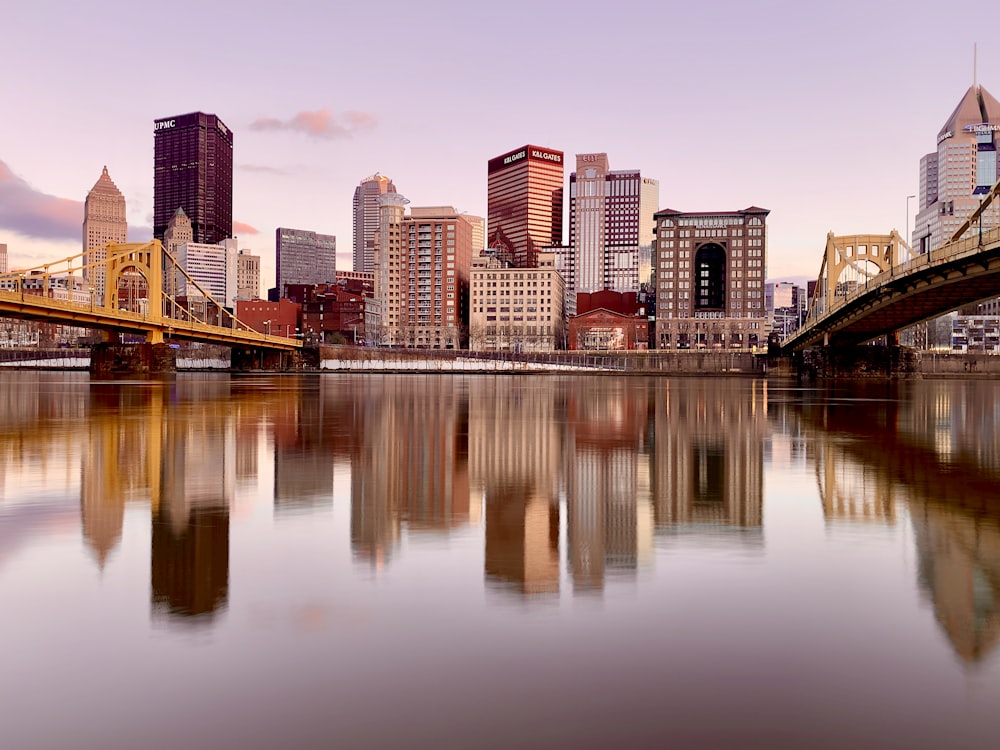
point(857, 362)
point(110, 360)
point(248, 359)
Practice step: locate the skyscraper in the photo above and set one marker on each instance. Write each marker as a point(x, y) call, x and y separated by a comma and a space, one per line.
point(524, 203)
point(422, 275)
point(366, 219)
point(709, 271)
point(963, 166)
point(103, 222)
point(304, 257)
point(193, 170)
point(610, 225)
point(3, 258)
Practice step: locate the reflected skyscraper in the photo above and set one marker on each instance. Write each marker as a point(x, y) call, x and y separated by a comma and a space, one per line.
point(514, 454)
point(609, 523)
point(708, 456)
point(189, 566)
point(412, 468)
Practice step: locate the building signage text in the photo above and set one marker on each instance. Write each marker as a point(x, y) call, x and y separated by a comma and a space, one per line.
point(982, 128)
point(517, 156)
point(545, 155)
point(164, 124)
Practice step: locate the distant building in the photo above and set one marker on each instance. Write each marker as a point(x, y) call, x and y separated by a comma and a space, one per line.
point(103, 222)
point(177, 233)
point(366, 219)
point(524, 203)
point(785, 303)
point(516, 309)
point(478, 233)
point(3, 258)
point(709, 271)
point(304, 257)
point(610, 225)
point(193, 170)
point(247, 275)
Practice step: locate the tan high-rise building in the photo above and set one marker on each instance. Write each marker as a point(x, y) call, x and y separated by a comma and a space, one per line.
point(478, 233)
point(392, 210)
point(366, 219)
point(247, 276)
point(103, 222)
point(178, 233)
point(3, 258)
point(524, 203)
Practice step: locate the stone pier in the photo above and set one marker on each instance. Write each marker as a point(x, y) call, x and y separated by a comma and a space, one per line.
point(111, 360)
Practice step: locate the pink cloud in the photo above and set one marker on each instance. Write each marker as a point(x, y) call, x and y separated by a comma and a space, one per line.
point(321, 124)
point(240, 228)
point(35, 214)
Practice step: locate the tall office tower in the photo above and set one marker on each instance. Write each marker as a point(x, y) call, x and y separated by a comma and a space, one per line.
point(435, 256)
point(524, 204)
point(193, 170)
point(304, 257)
point(247, 276)
point(211, 267)
point(963, 168)
point(709, 271)
point(103, 222)
point(610, 225)
point(366, 214)
point(3, 258)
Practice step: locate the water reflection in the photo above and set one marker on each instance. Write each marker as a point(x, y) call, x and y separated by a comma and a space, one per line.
point(572, 482)
point(931, 449)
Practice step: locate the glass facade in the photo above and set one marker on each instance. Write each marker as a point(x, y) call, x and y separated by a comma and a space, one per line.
point(193, 170)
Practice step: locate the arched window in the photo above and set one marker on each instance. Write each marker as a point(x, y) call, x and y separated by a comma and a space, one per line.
point(710, 277)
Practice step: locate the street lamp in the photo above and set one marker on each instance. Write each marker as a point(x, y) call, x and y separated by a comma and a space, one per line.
point(906, 229)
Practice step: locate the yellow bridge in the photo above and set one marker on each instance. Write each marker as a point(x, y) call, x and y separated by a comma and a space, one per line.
point(133, 288)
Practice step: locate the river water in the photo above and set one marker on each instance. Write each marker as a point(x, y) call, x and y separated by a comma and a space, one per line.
point(374, 561)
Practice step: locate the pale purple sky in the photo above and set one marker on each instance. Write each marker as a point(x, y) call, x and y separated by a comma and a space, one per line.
point(819, 113)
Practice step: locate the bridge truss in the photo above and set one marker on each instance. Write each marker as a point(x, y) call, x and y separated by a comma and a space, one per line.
point(134, 288)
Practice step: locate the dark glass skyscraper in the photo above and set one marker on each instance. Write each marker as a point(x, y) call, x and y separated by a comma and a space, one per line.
point(193, 170)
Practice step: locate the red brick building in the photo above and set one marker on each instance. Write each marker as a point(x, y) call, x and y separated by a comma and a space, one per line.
point(607, 330)
point(281, 318)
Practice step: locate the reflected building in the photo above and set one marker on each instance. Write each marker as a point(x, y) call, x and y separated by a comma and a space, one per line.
point(958, 567)
point(708, 456)
point(514, 465)
point(189, 567)
point(411, 469)
point(303, 462)
point(609, 525)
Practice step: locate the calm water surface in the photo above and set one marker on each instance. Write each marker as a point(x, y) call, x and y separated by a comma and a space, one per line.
point(497, 562)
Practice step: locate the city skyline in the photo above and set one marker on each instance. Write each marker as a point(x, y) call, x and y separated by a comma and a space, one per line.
point(727, 134)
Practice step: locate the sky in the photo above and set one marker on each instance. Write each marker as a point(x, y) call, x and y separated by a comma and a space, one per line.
point(819, 113)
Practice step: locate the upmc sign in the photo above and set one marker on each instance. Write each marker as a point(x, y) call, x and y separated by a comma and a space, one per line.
point(164, 124)
point(526, 152)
